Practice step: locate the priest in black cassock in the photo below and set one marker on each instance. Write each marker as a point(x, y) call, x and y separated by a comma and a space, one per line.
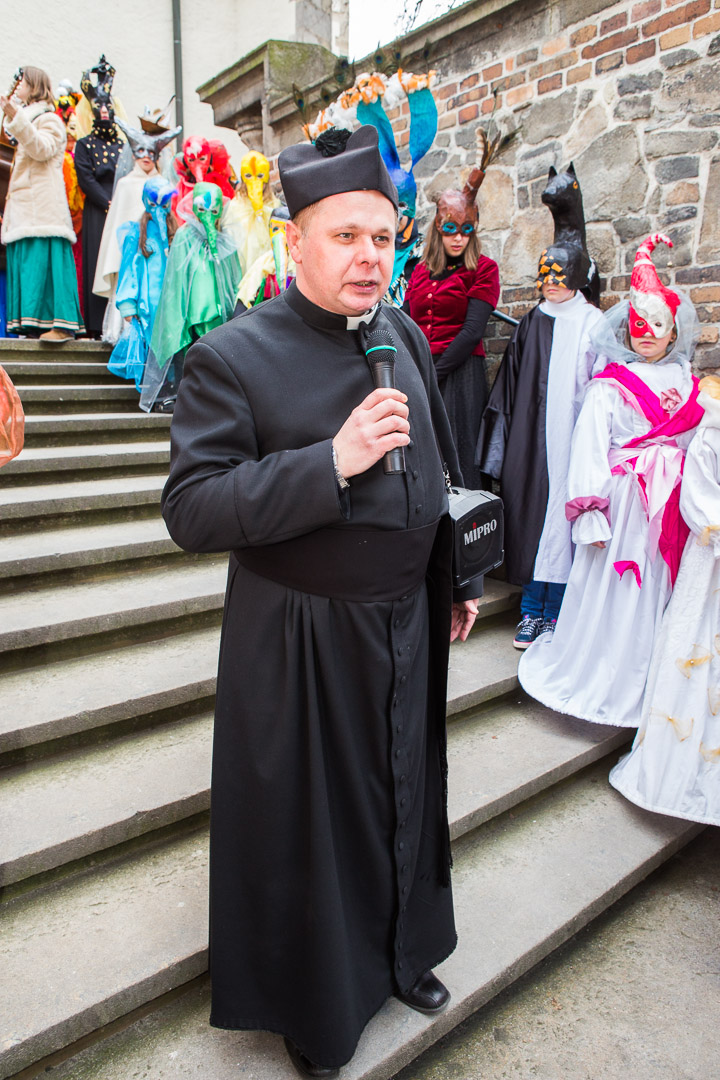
point(330, 855)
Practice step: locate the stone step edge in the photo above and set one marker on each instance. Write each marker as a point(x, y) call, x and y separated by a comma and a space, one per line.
point(145, 823)
point(102, 427)
point(77, 559)
point(458, 1012)
point(61, 366)
point(45, 510)
point(34, 345)
point(25, 735)
point(48, 459)
point(66, 393)
point(42, 421)
point(420, 1032)
point(462, 1007)
point(76, 627)
point(20, 738)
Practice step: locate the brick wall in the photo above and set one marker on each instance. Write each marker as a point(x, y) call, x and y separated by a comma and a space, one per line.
point(630, 93)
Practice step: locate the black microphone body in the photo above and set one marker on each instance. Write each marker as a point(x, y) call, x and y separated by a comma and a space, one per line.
point(380, 351)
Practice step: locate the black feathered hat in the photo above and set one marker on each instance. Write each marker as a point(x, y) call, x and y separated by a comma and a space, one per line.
point(336, 162)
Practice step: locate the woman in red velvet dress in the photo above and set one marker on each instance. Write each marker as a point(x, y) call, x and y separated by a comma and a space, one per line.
point(451, 295)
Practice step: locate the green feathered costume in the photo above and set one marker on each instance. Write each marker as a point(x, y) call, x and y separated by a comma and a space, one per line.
point(201, 283)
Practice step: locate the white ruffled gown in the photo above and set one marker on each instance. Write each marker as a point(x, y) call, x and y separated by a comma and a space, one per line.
point(674, 765)
point(595, 665)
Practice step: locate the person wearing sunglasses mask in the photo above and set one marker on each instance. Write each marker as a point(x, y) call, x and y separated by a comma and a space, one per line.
point(451, 294)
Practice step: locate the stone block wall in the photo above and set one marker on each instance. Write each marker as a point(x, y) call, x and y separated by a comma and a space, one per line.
point(631, 93)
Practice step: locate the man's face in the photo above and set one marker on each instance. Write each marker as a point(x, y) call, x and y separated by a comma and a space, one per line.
point(345, 258)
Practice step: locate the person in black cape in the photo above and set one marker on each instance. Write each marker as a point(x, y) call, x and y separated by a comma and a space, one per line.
point(527, 426)
point(96, 160)
point(330, 852)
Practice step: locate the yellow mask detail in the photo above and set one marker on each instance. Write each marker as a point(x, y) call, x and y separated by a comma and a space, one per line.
point(255, 173)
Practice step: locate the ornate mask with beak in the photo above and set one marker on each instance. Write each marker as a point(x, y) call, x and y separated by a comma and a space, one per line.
point(207, 204)
point(156, 196)
point(99, 91)
point(157, 192)
point(196, 156)
point(255, 174)
point(144, 145)
point(278, 224)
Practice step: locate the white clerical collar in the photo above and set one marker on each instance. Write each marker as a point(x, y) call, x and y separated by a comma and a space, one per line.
point(321, 317)
point(354, 322)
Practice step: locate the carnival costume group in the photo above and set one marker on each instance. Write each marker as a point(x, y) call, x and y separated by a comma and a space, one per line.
point(603, 445)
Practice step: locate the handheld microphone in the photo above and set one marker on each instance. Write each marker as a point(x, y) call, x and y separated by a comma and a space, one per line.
point(380, 351)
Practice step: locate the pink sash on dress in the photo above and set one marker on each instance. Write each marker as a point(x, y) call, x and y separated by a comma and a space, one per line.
point(658, 462)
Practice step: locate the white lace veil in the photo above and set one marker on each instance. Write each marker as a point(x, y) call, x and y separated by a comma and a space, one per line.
point(608, 338)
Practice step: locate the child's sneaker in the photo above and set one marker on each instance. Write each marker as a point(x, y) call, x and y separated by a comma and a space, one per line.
point(548, 626)
point(527, 630)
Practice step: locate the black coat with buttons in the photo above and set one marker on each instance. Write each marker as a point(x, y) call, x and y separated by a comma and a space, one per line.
point(329, 874)
point(96, 162)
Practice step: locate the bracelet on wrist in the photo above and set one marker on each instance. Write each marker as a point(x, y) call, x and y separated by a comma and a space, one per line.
point(342, 482)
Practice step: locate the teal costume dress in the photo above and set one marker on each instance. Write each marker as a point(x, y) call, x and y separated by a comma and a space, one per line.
point(198, 294)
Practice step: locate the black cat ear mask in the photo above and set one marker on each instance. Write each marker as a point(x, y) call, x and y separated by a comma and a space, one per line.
point(552, 171)
point(567, 261)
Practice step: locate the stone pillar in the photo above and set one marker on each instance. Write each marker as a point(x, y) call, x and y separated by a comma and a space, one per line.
point(340, 27)
point(314, 22)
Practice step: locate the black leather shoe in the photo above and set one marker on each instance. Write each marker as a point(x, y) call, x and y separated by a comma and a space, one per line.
point(428, 995)
point(304, 1065)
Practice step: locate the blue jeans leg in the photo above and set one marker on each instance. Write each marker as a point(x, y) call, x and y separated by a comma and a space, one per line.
point(554, 593)
point(533, 599)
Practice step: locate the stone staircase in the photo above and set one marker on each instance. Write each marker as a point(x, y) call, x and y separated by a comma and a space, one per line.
point(109, 640)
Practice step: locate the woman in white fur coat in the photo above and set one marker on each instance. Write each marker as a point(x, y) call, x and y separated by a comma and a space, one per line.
point(42, 297)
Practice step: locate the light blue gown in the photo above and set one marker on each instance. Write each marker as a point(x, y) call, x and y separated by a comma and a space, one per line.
point(140, 281)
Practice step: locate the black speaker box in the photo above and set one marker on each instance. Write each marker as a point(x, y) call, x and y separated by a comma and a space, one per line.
point(478, 538)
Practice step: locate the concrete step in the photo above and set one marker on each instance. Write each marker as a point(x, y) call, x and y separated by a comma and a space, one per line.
point(61, 699)
point(90, 799)
point(41, 615)
point(498, 596)
point(38, 616)
point(518, 896)
point(29, 373)
point(633, 994)
point(60, 395)
point(485, 666)
point(52, 459)
point(75, 695)
point(19, 504)
point(505, 752)
point(92, 545)
point(84, 801)
point(18, 350)
point(46, 428)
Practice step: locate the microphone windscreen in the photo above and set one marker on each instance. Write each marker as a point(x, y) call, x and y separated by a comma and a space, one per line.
point(379, 345)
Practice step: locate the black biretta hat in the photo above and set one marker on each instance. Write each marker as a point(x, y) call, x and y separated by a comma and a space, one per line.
point(333, 164)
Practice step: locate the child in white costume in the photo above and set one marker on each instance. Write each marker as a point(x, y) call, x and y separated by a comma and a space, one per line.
point(623, 486)
point(674, 765)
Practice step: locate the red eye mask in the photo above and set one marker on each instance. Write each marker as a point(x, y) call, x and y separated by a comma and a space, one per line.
point(638, 326)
